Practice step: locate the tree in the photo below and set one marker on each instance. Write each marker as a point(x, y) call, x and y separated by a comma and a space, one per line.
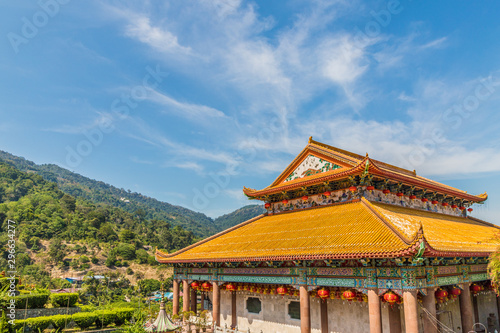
point(68, 203)
point(149, 285)
point(57, 250)
point(127, 236)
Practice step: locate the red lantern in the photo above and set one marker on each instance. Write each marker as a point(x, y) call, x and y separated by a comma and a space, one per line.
point(391, 297)
point(454, 206)
point(413, 197)
point(370, 188)
point(441, 294)
point(285, 202)
point(434, 202)
point(206, 286)
point(327, 193)
point(445, 204)
point(475, 288)
point(195, 285)
point(353, 188)
point(424, 199)
point(470, 210)
point(349, 295)
point(267, 205)
point(399, 194)
point(282, 290)
point(231, 287)
point(455, 292)
point(323, 293)
point(461, 208)
point(386, 192)
point(305, 197)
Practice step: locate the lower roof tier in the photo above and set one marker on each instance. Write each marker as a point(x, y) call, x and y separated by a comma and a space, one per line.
point(356, 229)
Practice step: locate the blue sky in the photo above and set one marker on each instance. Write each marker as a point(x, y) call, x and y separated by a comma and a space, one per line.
point(189, 101)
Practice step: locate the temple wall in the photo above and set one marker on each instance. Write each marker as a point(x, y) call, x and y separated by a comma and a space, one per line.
point(449, 314)
point(274, 318)
point(486, 304)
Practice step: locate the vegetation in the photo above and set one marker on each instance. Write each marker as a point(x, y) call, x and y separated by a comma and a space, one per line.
point(240, 215)
point(141, 207)
point(43, 212)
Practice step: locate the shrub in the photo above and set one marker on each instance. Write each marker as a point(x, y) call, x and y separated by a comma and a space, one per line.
point(38, 323)
point(105, 317)
point(123, 315)
point(84, 319)
point(35, 301)
point(94, 260)
point(60, 321)
point(126, 251)
point(84, 259)
point(61, 300)
point(129, 271)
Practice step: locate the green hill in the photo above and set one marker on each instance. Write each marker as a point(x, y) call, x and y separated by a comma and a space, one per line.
point(54, 230)
point(240, 215)
point(101, 193)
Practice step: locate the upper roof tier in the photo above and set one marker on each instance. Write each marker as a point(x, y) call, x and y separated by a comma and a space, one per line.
point(320, 167)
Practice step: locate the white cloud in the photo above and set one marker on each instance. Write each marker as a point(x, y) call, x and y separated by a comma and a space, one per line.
point(160, 39)
point(187, 110)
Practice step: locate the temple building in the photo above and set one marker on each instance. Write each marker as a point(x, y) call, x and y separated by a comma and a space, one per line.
point(348, 244)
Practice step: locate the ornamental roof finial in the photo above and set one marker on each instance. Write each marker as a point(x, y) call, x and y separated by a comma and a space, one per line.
point(366, 154)
point(310, 139)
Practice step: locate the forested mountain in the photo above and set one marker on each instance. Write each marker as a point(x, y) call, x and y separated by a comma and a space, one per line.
point(56, 230)
point(101, 193)
point(240, 215)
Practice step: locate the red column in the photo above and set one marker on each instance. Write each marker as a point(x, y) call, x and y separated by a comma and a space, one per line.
point(202, 302)
point(430, 305)
point(234, 318)
point(185, 296)
point(374, 312)
point(411, 312)
point(216, 304)
point(324, 316)
point(305, 312)
point(175, 303)
point(466, 311)
point(193, 297)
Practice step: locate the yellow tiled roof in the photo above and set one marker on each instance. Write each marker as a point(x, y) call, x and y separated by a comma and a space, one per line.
point(356, 229)
point(443, 232)
point(333, 230)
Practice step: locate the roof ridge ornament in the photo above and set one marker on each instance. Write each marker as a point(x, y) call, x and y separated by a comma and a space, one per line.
point(310, 139)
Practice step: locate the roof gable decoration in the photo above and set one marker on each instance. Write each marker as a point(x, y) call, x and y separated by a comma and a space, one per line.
point(311, 165)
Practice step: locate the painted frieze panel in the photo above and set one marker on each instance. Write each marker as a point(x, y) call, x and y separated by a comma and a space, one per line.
point(388, 272)
point(200, 277)
point(200, 270)
point(409, 278)
point(430, 275)
point(389, 284)
point(346, 195)
point(311, 165)
point(257, 271)
point(352, 283)
point(444, 270)
point(257, 279)
point(465, 272)
point(334, 271)
point(447, 280)
point(479, 268)
point(479, 277)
